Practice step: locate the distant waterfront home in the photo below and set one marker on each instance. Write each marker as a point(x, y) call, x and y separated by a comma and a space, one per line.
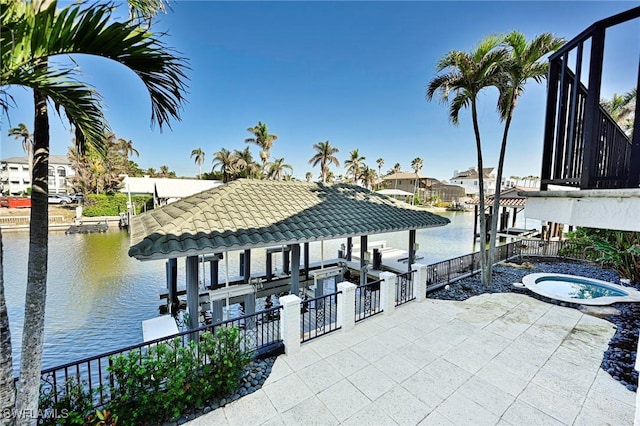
point(15, 179)
point(165, 190)
point(425, 187)
point(469, 180)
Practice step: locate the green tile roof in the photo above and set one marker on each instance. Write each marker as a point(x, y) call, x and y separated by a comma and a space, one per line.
point(258, 213)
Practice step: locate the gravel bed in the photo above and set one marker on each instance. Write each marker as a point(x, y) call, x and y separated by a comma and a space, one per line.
point(254, 377)
point(618, 360)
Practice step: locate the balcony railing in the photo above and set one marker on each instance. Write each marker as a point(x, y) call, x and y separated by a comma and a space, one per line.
point(583, 145)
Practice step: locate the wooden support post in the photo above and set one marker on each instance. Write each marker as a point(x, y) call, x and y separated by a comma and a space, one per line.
point(349, 248)
point(412, 249)
point(193, 291)
point(269, 265)
point(295, 269)
point(213, 273)
point(363, 249)
point(306, 261)
point(247, 266)
point(634, 168)
point(592, 109)
point(172, 284)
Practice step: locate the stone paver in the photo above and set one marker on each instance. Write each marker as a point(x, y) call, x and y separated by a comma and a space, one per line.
point(495, 359)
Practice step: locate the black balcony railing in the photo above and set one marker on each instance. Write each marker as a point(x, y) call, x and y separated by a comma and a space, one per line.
point(583, 145)
point(368, 300)
point(404, 288)
point(259, 333)
point(319, 316)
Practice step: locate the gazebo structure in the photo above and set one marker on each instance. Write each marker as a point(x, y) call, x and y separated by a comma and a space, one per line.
point(249, 214)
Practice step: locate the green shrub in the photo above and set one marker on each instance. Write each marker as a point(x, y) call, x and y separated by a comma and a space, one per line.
point(75, 403)
point(619, 250)
point(170, 378)
point(113, 205)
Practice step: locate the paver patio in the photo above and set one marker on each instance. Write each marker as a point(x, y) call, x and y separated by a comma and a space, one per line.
point(505, 359)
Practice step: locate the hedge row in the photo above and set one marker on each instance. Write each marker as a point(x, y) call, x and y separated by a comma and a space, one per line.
point(113, 205)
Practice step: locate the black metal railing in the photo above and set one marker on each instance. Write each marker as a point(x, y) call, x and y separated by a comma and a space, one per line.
point(368, 300)
point(259, 332)
point(448, 271)
point(583, 145)
point(318, 316)
point(404, 288)
point(561, 248)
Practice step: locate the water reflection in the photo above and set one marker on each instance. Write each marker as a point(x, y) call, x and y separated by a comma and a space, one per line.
point(98, 296)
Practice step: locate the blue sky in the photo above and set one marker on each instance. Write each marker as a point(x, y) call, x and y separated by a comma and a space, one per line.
point(353, 73)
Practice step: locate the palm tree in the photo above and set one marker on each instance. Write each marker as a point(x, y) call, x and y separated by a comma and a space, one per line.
point(225, 160)
point(199, 154)
point(263, 139)
point(622, 109)
point(22, 132)
point(244, 165)
point(354, 165)
point(368, 177)
point(151, 172)
point(380, 162)
point(465, 75)
point(416, 165)
point(32, 33)
point(524, 63)
point(276, 169)
point(127, 149)
point(164, 171)
point(395, 170)
point(308, 176)
point(325, 156)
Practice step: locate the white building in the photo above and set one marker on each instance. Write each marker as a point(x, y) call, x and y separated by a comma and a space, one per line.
point(15, 178)
point(165, 190)
point(469, 180)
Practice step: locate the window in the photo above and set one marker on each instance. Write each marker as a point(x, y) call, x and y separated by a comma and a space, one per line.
point(52, 172)
point(62, 172)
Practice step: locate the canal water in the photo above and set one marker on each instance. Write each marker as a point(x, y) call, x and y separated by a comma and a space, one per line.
point(98, 296)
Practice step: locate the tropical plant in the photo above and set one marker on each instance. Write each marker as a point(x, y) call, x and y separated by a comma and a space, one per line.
point(127, 149)
point(224, 160)
point(22, 132)
point(263, 139)
point(325, 156)
point(523, 63)
point(354, 165)
point(395, 170)
point(100, 172)
point(416, 165)
point(622, 109)
point(198, 153)
point(380, 162)
point(31, 33)
point(465, 75)
point(244, 166)
point(308, 176)
point(368, 176)
point(276, 169)
point(151, 172)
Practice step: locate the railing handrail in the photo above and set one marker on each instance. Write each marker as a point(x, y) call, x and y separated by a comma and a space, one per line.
point(159, 340)
point(605, 23)
point(324, 296)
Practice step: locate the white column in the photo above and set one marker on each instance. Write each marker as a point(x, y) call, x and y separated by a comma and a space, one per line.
point(388, 292)
point(346, 305)
point(419, 281)
point(290, 323)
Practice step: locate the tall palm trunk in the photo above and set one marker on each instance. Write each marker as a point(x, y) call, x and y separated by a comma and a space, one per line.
point(33, 332)
point(496, 196)
point(484, 270)
point(7, 390)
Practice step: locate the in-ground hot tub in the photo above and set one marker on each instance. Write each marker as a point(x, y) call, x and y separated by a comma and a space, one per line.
point(581, 290)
